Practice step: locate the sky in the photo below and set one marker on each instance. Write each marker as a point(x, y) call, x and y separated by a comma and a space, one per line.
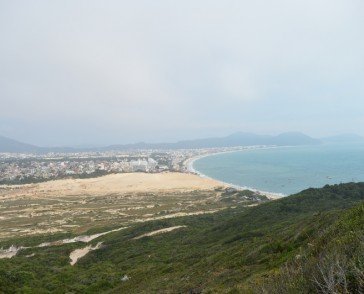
point(89, 73)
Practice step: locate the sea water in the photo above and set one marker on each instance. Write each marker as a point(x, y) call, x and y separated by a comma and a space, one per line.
point(287, 170)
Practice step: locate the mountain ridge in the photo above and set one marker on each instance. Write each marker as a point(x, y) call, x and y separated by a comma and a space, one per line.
point(233, 140)
point(11, 145)
point(342, 138)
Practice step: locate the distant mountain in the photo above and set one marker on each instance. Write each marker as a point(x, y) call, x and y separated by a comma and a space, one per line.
point(10, 145)
point(234, 140)
point(344, 138)
point(14, 146)
point(293, 139)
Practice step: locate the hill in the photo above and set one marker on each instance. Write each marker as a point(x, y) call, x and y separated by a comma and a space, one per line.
point(234, 140)
point(303, 243)
point(344, 138)
point(10, 145)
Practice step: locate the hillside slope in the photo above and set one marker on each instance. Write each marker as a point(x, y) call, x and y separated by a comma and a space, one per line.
point(332, 263)
point(10, 145)
point(242, 250)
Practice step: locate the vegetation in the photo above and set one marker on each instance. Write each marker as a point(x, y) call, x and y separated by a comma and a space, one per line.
point(332, 263)
point(34, 180)
point(306, 243)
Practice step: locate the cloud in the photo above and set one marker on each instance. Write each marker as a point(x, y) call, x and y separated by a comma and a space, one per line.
point(139, 70)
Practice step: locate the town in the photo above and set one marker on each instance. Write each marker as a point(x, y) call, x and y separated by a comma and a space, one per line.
point(31, 168)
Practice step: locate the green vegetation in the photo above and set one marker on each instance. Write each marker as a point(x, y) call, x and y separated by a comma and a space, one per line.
point(306, 243)
point(34, 180)
point(332, 263)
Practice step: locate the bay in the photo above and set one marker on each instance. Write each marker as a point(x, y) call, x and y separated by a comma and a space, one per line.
point(287, 170)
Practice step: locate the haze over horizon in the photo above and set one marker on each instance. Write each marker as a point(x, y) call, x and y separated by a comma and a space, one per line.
point(96, 73)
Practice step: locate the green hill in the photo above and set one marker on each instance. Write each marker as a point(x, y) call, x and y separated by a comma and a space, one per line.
point(305, 243)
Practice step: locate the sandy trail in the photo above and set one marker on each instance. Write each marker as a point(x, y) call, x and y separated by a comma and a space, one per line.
point(13, 250)
point(9, 253)
point(161, 231)
point(75, 255)
point(177, 214)
point(83, 238)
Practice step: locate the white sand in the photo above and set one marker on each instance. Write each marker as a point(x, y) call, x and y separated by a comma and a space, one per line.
point(177, 214)
point(115, 183)
point(75, 255)
point(10, 252)
point(83, 238)
point(161, 231)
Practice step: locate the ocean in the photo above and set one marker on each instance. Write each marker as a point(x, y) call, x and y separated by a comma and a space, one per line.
point(286, 170)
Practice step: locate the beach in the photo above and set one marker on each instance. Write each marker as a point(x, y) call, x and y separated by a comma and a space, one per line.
point(285, 170)
point(190, 168)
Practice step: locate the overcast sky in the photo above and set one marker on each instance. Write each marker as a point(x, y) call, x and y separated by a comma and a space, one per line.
point(101, 72)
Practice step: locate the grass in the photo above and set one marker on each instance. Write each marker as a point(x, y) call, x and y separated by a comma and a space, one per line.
point(242, 249)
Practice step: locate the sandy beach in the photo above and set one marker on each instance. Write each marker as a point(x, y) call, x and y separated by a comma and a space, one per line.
point(189, 166)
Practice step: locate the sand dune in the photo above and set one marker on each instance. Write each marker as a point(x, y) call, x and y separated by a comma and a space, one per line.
point(115, 183)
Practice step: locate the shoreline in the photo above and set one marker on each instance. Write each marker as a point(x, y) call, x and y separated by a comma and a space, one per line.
point(190, 169)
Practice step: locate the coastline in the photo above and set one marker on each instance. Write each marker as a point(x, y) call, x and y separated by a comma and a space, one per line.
point(190, 169)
